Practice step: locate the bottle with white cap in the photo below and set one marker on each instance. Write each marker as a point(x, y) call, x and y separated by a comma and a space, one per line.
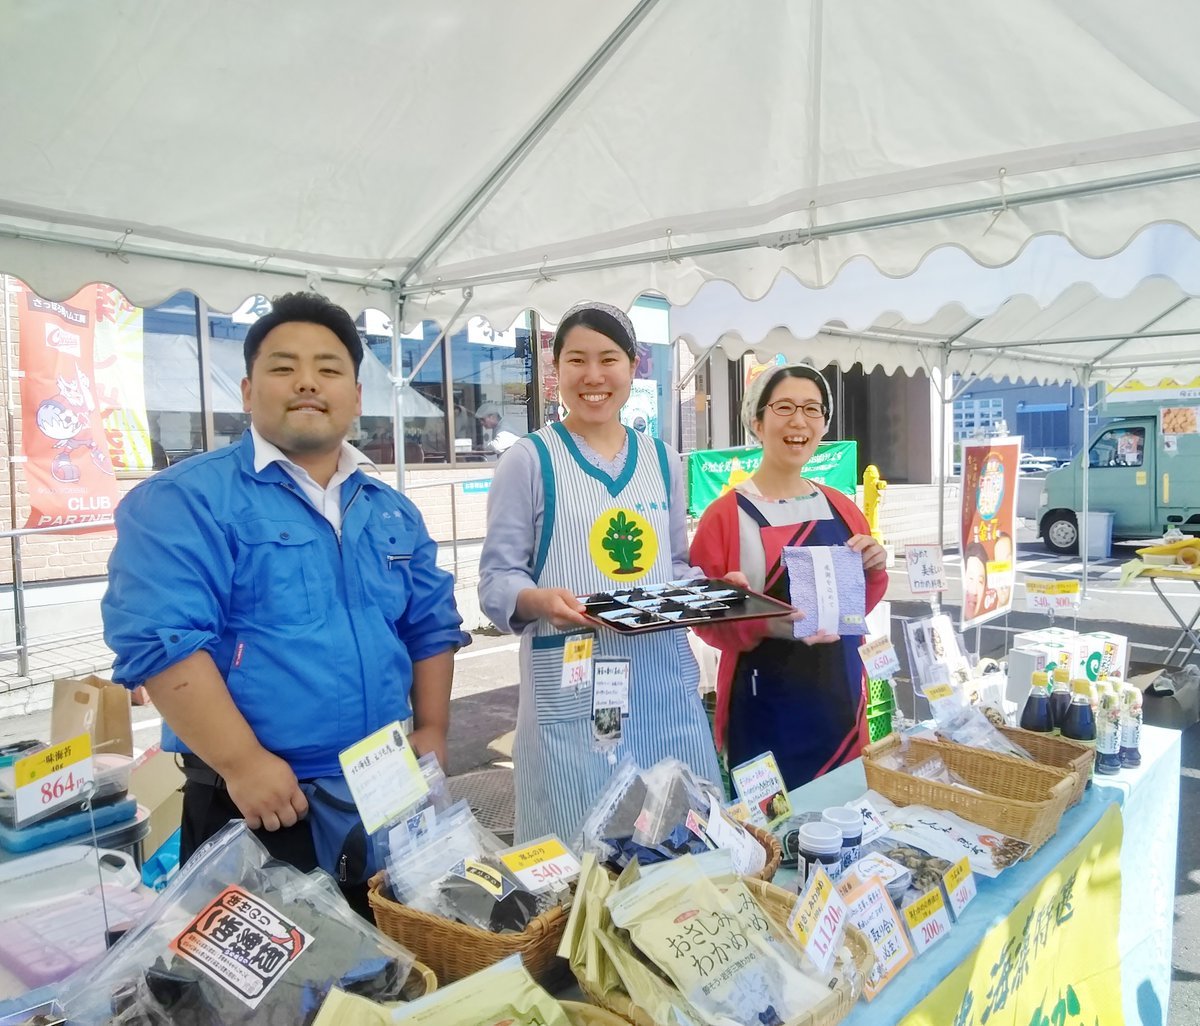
point(850, 823)
point(820, 844)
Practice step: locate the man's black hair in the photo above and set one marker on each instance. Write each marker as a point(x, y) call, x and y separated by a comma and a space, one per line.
point(309, 308)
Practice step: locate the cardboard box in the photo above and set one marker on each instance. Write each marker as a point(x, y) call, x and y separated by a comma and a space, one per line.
point(95, 706)
point(1101, 656)
point(157, 783)
point(1025, 660)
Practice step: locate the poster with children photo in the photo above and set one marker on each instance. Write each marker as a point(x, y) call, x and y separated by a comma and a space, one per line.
point(988, 528)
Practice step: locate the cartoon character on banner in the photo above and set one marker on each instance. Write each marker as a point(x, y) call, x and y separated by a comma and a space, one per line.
point(66, 418)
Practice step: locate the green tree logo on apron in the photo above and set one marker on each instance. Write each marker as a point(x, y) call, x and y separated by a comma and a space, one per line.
point(623, 542)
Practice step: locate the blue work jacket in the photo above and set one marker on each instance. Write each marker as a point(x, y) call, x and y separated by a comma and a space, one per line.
point(314, 635)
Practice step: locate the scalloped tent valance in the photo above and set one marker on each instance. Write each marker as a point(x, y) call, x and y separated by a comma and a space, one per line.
point(542, 152)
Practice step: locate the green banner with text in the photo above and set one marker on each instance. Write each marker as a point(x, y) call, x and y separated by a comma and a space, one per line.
point(712, 471)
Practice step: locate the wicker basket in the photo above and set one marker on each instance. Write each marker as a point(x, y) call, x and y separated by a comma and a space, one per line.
point(1022, 799)
point(1060, 752)
point(777, 903)
point(454, 950)
point(421, 981)
point(772, 847)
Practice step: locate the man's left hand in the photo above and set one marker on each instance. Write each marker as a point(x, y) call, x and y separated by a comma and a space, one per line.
point(874, 555)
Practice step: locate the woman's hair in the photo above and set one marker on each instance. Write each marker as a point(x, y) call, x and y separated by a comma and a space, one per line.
point(761, 388)
point(610, 321)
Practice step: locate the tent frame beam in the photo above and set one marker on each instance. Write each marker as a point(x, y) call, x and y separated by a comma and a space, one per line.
point(815, 233)
point(521, 149)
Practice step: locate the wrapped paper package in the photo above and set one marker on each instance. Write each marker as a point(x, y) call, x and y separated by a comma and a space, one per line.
point(827, 584)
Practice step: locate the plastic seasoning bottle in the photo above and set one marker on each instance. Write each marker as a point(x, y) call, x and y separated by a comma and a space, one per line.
point(820, 845)
point(1131, 726)
point(1108, 732)
point(1080, 722)
point(1060, 698)
point(850, 823)
point(1036, 715)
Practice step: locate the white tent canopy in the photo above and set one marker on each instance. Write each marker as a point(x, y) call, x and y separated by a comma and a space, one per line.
point(1051, 315)
point(544, 151)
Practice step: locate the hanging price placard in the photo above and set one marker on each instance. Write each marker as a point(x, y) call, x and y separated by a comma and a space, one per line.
point(54, 777)
point(818, 920)
point(1044, 596)
point(577, 661)
point(926, 569)
point(880, 659)
point(543, 864)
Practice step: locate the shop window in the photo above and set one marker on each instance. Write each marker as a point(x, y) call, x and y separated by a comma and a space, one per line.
point(1119, 447)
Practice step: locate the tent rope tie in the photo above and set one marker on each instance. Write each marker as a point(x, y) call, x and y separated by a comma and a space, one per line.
point(542, 277)
point(1003, 172)
point(670, 247)
point(121, 245)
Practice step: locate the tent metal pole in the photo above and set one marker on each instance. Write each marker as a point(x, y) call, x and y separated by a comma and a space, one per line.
point(804, 236)
point(530, 139)
point(20, 625)
point(696, 367)
point(944, 474)
point(401, 381)
point(397, 397)
point(1085, 460)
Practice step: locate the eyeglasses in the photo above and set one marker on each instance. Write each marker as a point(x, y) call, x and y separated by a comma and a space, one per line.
point(785, 408)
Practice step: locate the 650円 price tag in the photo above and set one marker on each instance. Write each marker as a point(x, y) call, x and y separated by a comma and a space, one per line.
point(57, 776)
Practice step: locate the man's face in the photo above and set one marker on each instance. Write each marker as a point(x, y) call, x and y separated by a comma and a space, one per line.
point(302, 394)
point(491, 420)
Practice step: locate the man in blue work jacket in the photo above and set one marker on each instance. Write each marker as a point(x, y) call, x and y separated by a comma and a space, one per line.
point(278, 603)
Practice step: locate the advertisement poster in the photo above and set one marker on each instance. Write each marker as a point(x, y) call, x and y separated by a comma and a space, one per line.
point(120, 390)
point(988, 536)
point(712, 472)
point(70, 476)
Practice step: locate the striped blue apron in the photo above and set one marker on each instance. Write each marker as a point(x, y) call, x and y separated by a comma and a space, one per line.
point(559, 772)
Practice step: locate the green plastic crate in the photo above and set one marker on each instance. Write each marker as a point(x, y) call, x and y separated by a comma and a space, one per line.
point(878, 690)
point(879, 725)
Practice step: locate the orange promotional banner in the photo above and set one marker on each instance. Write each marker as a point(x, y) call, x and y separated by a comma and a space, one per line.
point(70, 475)
point(989, 517)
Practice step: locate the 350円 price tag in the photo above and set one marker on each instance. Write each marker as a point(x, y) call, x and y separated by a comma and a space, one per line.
point(49, 779)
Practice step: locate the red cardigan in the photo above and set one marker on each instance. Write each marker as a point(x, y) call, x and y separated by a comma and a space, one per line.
point(716, 549)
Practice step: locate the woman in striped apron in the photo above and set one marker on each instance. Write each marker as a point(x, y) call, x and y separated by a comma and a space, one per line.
point(567, 507)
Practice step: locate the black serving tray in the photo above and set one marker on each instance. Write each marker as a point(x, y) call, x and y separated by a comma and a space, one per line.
point(662, 607)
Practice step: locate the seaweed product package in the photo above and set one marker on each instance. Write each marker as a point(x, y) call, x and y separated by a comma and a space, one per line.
point(680, 921)
point(238, 938)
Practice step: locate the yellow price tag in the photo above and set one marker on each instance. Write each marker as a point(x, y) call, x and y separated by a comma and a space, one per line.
point(534, 854)
point(51, 760)
point(957, 873)
point(938, 691)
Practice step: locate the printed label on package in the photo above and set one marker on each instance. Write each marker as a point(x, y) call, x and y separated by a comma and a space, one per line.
point(242, 943)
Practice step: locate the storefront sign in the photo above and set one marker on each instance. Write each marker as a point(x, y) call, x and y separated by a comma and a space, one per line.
point(713, 472)
point(1054, 960)
point(53, 777)
point(383, 775)
point(1045, 596)
point(69, 472)
point(242, 943)
point(988, 528)
point(926, 569)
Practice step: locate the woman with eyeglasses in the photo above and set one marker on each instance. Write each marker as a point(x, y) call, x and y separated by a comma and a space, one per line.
point(802, 699)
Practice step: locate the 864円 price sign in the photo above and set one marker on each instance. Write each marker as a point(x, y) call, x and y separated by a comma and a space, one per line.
point(52, 778)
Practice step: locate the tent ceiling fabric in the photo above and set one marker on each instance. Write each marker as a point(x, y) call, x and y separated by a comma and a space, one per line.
point(1136, 317)
point(234, 148)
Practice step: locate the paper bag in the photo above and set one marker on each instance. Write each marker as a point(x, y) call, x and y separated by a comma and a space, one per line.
point(94, 706)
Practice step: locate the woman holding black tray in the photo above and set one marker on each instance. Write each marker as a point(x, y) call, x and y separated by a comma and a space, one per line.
point(582, 507)
point(802, 699)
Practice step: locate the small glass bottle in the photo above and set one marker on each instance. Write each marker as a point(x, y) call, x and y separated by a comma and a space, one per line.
point(1036, 715)
point(1060, 698)
point(1080, 722)
point(1108, 731)
point(1131, 726)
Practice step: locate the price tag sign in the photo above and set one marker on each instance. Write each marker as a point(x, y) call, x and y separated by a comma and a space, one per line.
point(53, 777)
point(960, 885)
point(383, 775)
point(926, 569)
point(928, 920)
point(880, 659)
point(872, 912)
point(577, 661)
point(544, 864)
point(874, 825)
point(936, 692)
point(1043, 596)
point(818, 920)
